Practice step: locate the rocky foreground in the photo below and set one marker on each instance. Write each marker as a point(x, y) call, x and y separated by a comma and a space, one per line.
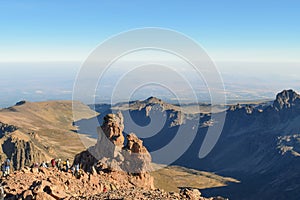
point(50, 183)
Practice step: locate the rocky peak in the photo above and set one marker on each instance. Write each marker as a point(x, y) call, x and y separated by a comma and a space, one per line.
point(134, 144)
point(235, 107)
point(248, 109)
point(153, 100)
point(109, 154)
point(113, 126)
point(286, 99)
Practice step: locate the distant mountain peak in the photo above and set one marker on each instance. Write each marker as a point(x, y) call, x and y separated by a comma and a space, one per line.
point(153, 100)
point(20, 103)
point(286, 99)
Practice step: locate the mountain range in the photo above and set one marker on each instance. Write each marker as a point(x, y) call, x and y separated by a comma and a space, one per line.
point(33, 132)
point(259, 146)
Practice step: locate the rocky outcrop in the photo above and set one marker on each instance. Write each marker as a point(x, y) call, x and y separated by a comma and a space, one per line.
point(287, 99)
point(289, 144)
point(6, 128)
point(20, 103)
point(136, 155)
point(248, 109)
point(136, 193)
point(111, 155)
point(51, 184)
point(113, 127)
point(21, 150)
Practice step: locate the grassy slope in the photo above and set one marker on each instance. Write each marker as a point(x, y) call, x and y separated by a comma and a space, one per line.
point(51, 121)
point(172, 178)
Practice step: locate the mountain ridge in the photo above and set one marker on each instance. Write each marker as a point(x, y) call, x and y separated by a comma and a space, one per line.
point(259, 145)
point(40, 133)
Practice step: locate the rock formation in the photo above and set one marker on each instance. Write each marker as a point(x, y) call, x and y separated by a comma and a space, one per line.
point(287, 99)
point(110, 154)
point(32, 132)
point(113, 127)
point(136, 155)
point(115, 168)
point(21, 150)
point(6, 128)
point(50, 184)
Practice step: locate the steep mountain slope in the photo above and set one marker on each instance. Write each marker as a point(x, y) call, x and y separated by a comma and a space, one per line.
point(259, 144)
point(108, 170)
point(36, 132)
point(261, 148)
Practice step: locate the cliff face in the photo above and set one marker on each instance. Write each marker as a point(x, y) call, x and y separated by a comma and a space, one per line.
point(259, 144)
point(287, 99)
point(22, 149)
point(35, 132)
point(260, 147)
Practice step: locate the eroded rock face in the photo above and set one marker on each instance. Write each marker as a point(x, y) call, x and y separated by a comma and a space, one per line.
point(21, 151)
point(110, 137)
point(6, 128)
point(111, 155)
point(286, 99)
point(134, 144)
point(113, 127)
point(137, 157)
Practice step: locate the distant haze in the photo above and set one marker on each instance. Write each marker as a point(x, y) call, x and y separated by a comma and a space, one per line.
point(54, 80)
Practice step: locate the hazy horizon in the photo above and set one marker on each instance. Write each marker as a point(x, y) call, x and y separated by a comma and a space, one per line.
point(254, 44)
point(54, 81)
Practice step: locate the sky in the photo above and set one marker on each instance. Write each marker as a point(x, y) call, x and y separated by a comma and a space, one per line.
point(254, 43)
point(232, 30)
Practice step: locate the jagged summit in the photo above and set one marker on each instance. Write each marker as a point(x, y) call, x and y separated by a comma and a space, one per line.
point(286, 99)
point(247, 108)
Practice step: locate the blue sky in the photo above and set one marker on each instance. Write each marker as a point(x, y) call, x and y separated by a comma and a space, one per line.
point(258, 40)
point(250, 30)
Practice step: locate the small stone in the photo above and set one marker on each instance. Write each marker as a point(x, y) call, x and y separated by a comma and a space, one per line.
point(27, 195)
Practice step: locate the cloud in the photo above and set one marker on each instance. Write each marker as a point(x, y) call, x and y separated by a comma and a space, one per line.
point(39, 92)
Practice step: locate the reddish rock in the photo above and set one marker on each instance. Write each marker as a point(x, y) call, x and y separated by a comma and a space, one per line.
point(35, 170)
point(134, 144)
point(104, 185)
point(113, 128)
point(44, 196)
point(193, 194)
point(27, 195)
